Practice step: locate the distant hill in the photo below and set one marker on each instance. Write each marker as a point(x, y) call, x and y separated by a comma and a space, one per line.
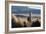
point(24, 9)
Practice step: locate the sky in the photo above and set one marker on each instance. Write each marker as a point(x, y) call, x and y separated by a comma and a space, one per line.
point(25, 9)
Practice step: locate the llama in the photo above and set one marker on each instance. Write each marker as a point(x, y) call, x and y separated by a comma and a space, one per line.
point(21, 21)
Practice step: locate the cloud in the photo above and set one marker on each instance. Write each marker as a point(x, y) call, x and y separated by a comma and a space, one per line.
point(34, 7)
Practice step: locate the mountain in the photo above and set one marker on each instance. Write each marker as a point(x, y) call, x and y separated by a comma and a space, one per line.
point(24, 9)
